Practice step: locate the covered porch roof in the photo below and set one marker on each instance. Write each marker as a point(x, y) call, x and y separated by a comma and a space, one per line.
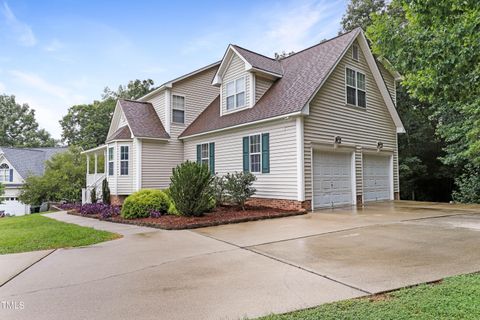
point(97, 150)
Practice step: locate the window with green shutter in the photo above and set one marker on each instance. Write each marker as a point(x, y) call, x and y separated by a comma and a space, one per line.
point(212, 157)
point(246, 154)
point(206, 155)
point(256, 153)
point(265, 152)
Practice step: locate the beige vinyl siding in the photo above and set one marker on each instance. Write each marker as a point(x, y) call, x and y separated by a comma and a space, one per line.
point(330, 117)
point(198, 92)
point(115, 122)
point(389, 82)
point(112, 180)
point(158, 103)
point(281, 182)
point(235, 70)
point(261, 86)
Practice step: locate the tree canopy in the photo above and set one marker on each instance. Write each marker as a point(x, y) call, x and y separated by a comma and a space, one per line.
point(18, 126)
point(64, 179)
point(87, 125)
point(359, 13)
point(436, 46)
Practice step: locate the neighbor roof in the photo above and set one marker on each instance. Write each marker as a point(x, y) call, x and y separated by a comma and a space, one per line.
point(302, 75)
point(142, 120)
point(29, 161)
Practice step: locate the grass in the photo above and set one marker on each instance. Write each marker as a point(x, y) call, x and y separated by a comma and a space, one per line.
point(36, 232)
point(453, 298)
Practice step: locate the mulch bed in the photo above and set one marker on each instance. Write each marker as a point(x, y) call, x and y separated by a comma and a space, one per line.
point(221, 215)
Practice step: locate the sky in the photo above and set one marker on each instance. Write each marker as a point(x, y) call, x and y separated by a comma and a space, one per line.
point(58, 53)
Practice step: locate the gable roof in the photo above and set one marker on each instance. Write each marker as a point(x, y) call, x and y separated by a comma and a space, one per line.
point(303, 73)
point(122, 133)
point(142, 120)
point(259, 61)
point(29, 161)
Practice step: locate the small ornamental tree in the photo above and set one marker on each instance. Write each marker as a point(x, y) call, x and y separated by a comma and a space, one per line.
point(105, 192)
point(93, 195)
point(2, 191)
point(239, 187)
point(190, 189)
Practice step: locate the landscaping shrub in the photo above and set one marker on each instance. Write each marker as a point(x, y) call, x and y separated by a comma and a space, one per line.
point(105, 191)
point(239, 188)
point(141, 203)
point(218, 185)
point(93, 195)
point(190, 189)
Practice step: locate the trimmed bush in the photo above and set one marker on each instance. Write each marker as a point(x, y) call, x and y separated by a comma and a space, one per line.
point(105, 191)
point(239, 188)
point(93, 195)
point(190, 189)
point(141, 203)
point(218, 185)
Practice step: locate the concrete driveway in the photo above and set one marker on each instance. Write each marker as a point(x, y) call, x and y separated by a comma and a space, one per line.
point(248, 269)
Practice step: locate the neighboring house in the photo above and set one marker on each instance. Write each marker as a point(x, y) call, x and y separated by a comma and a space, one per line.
point(317, 127)
point(16, 164)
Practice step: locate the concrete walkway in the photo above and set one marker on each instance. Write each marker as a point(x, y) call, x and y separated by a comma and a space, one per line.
point(249, 269)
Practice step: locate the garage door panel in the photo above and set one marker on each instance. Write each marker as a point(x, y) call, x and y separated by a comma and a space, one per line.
point(332, 179)
point(376, 177)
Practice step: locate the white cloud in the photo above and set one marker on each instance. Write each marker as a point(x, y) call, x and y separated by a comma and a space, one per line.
point(23, 32)
point(2, 88)
point(54, 45)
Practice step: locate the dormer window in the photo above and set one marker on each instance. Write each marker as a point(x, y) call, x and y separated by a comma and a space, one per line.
point(236, 94)
point(5, 175)
point(178, 109)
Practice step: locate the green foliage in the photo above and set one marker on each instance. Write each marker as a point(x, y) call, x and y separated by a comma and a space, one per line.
point(2, 191)
point(141, 203)
point(436, 46)
point(359, 13)
point(18, 127)
point(453, 298)
point(87, 125)
point(64, 179)
point(93, 195)
point(239, 187)
point(190, 189)
point(105, 192)
point(218, 185)
point(468, 185)
point(36, 232)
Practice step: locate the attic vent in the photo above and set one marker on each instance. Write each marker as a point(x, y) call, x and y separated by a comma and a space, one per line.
point(355, 52)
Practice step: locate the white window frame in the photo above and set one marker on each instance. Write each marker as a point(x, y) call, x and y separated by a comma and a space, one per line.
point(207, 158)
point(355, 49)
point(356, 88)
point(236, 93)
point(111, 152)
point(250, 153)
point(4, 172)
point(127, 160)
point(184, 107)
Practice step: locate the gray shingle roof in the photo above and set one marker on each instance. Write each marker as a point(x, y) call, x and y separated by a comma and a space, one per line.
point(260, 61)
point(303, 73)
point(29, 161)
point(143, 120)
point(122, 133)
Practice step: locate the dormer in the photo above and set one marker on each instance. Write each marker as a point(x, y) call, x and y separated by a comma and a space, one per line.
point(237, 78)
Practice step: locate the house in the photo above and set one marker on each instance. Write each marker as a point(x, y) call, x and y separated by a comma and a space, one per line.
point(318, 128)
point(16, 164)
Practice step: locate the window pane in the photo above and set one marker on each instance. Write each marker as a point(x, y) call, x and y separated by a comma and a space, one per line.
point(255, 163)
point(110, 154)
point(351, 77)
point(355, 52)
point(110, 168)
point(360, 81)
point(351, 93)
point(240, 99)
point(124, 153)
point(230, 102)
point(124, 167)
point(362, 101)
point(255, 143)
point(178, 102)
point(204, 150)
point(230, 88)
point(240, 83)
point(178, 116)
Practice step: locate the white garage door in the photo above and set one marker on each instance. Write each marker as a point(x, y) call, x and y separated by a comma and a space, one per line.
point(332, 179)
point(14, 207)
point(376, 178)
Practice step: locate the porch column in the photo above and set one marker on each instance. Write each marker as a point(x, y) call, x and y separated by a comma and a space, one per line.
point(88, 164)
point(96, 159)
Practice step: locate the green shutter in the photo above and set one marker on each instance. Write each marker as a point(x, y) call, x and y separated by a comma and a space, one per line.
point(199, 153)
point(211, 150)
point(11, 175)
point(246, 154)
point(265, 153)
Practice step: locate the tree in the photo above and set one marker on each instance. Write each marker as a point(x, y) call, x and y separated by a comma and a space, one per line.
point(18, 127)
point(87, 125)
point(359, 13)
point(63, 179)
point(436, 46)
point(2, 191)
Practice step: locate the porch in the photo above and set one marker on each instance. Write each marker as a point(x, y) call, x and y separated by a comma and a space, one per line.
point(96, 169)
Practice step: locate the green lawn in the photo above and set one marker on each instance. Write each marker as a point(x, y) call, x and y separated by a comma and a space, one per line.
point(36, 232)
point(454, 298)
